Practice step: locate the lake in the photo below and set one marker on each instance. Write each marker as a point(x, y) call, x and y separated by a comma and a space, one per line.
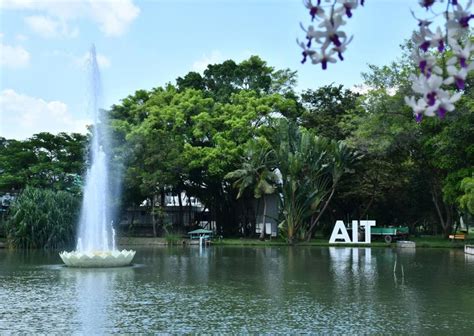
point(243, 290)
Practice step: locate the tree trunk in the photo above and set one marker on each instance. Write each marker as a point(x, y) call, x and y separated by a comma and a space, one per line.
point(190, 211)
point(130, 226)
point(366, 209)
point(162, 206)
point(446, 223)
point(180, 217)
point(153, 219)
point(315, 222)
point(262, 234)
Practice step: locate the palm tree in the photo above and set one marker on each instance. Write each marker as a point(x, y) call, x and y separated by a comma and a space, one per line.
point(301, 158)
point(340, 159)
point(257, 172)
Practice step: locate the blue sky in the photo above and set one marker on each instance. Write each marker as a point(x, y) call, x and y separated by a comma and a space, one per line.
point(144, 44)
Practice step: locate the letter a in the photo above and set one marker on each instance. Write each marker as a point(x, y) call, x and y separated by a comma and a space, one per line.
point(339, 232)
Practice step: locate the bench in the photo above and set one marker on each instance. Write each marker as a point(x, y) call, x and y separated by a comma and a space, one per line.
point(458, 236)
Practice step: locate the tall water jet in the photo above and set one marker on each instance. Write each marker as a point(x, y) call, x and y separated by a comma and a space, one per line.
point(96, 241)
point(94, 226)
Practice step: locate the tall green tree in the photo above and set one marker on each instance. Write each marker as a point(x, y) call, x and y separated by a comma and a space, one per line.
point(44, 160)
point(257, 173)
point(340, 161)
point(305, 180)
point(326, 108)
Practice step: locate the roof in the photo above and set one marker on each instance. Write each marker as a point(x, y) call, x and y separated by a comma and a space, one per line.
point(199, 231)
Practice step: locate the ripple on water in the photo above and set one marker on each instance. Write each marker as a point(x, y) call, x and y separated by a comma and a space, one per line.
point(237, 291)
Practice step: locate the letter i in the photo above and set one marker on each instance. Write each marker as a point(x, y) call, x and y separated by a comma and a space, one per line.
point(355, 231)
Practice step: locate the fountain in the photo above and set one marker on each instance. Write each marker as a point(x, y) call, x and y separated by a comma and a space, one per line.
point(96, 236)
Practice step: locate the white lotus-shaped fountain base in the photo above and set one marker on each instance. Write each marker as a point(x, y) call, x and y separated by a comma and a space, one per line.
point(113, 258)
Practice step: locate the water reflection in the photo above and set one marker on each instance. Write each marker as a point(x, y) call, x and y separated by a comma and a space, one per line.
point(233, 290)
point(94, 295)
point(469, 258)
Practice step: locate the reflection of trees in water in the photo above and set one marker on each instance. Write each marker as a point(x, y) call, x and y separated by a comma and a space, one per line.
point(95, 294)
point(381, 283)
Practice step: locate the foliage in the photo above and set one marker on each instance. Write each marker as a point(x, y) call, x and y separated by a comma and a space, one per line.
point(257, 170)
point(44, 161)
point(187, 138)
point(429, 160)
point(42, 218)
point(325, 109)
point(467, 200)
point(244, 123)
point(257, 173)
point(304, 182)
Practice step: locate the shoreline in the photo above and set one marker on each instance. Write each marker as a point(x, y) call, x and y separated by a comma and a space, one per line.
point(421, 242)
point(144, 242)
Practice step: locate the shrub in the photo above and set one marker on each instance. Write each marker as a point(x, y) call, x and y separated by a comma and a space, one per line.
point(42, 218)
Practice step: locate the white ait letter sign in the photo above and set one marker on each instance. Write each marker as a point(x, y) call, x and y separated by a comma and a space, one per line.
point(340, 235)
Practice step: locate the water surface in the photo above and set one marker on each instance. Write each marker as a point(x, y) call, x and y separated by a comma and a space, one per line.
point(243, 290)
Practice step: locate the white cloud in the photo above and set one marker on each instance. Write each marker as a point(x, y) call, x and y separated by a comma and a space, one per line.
point(201, 64)
point(22, 116)
point(43, 26)
point(1, 35)
point(114, 17)
point(13, 56)
point(53, 18)
point(48, 28)
point(21, 37)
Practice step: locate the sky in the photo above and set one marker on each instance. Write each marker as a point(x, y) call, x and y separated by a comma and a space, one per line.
point(145, 44)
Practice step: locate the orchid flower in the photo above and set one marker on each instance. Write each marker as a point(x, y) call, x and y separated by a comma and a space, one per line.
point(461, 54)
point(426, 3)
point(306, 51)
point(437, 39)
point(419, 106)
point(462, 16)
point(426, 63)
point(342, 47)
point(436, 99)
point(457, 76)
point(444, 104)
point(420, 38)
point(348, 6)
point(328, 34)
point(324, 58)
point(314, 10)
point(331, 33)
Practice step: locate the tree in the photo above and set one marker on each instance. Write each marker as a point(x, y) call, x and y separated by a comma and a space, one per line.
point(430, 155)
point(467, 200)
point(326, 108)
point(44, 160)
point(340, 160)
point(302, 161)
point(257, 174)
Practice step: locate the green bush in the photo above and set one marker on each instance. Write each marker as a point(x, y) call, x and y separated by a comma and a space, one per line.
point(42, 218)
point(172, 238)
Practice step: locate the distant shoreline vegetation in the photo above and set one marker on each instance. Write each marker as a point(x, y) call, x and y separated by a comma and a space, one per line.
point(242, 142)
point(41, 218)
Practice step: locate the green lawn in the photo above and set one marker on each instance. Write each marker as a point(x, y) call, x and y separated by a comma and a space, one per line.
point(425, 241)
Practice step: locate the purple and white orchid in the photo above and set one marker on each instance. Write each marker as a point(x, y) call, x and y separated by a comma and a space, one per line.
point(433, 84)
point(328, 36)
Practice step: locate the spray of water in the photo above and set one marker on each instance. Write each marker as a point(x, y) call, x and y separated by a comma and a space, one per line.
point(95, 226)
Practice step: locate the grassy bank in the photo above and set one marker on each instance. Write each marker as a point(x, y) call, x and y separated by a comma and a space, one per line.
point(421, 242)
